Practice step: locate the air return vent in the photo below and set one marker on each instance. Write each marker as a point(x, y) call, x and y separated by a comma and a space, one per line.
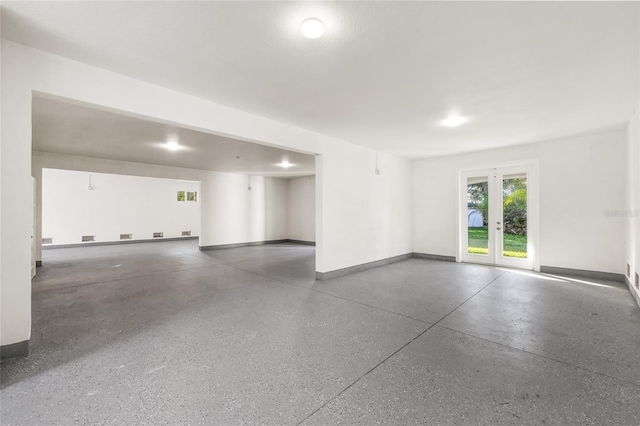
point(86, 238)
point(186, 233)
point(47, 240)
point(125, 236)
point(158, 235)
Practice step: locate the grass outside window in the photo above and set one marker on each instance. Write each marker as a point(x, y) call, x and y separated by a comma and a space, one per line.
point(514, 245)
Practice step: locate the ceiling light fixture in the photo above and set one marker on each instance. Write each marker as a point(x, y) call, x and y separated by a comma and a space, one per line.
point(285, 164)
point(172, 145)
point(453, 121)
point(312, 28)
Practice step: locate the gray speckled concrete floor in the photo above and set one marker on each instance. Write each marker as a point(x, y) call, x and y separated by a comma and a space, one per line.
point(160, 333)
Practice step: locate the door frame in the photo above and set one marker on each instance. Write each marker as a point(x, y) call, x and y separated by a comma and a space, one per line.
point(32, 212)
point(533, 205)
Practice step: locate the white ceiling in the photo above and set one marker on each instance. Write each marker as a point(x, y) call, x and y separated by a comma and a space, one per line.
point(72, 129)
point(383, 75)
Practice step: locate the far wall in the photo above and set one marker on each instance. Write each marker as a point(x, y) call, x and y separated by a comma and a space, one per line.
point(580, 179)
point(115, 205)
point(230, 213)
point(301, 209)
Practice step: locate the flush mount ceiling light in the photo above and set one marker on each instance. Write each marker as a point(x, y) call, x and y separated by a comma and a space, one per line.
point(285, 164)
point(172, 146)
point(312, 28)
point(453, 121)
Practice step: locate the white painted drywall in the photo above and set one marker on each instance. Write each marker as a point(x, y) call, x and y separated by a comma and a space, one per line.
point(632, 210)
point(234, 214)
point(276, 193)
point(360, 217)
point(44, 160)
point(580, 178)
point(301, 209)
point(230, 213)
point(364, 216)
point(116, 204)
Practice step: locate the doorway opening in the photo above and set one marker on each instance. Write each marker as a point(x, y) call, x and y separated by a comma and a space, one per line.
point(498, 216)
point(237, 192)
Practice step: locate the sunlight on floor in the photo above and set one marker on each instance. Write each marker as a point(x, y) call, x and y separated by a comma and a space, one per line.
point(531, 274)
point(551, 277)
point(575, 280)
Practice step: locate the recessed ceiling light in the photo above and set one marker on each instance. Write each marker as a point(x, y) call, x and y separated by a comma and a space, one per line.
point(172, 145)
point(453, 121)
point(312, 28)
point(285, 164)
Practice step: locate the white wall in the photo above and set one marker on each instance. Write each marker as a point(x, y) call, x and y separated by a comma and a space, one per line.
point(230, 213)
point(632, 247)
point(115, 205)
point(233, 214)
point(371, 219)
point(632, 211)
point(276, 212)
point(360, 217)
point(580, 178)
point(44, 160)
point(301, 209)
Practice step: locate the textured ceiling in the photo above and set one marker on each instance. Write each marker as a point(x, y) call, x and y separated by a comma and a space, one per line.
point(72, 129)
point(383, 75)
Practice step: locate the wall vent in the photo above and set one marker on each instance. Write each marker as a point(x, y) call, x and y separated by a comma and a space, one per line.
point(86, 238)
point(628, 270)
point(47, 240)
point(186, 233)
point(637, 279)
point(157, 235)
point(125, 236)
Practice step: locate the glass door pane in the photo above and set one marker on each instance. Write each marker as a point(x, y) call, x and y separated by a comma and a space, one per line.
point(514, 216)
point(495, 209)
point(478, 215)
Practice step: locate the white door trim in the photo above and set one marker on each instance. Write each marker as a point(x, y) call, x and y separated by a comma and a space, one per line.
point(533, 220)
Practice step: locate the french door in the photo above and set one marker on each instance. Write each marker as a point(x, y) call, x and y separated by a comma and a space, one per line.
point(495, 216)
